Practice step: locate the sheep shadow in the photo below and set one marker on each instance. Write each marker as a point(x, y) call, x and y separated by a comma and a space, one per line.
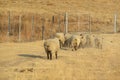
point(64, 48)
point(37, 56)
point(31, 56)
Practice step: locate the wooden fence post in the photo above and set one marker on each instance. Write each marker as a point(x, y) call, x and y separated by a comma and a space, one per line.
point(32, 27)
point(78, 22)
point(59, 23)
point(8, 33)
point(66, 22)
point(52, 26)
point(43, 28)
point(115, 23)
point(20, 25)
point(89, 23)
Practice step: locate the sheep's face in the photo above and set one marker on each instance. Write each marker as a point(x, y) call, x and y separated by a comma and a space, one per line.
point(81, 34)
point(75, 42)
point(62, 41)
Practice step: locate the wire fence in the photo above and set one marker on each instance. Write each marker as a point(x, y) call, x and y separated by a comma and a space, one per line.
point(31, 26)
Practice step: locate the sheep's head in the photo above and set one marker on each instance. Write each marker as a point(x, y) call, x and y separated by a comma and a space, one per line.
point(62, 41)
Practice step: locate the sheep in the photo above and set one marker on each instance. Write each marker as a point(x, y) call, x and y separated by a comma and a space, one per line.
point(95, 41)
point(87, 36)
point(61, 38)
point(98, 42)
point(82, 41)
point(67, 39)
point(92, 40)
point(51, 46)
point(87, 40)
point(75, 41)
point(68, 35)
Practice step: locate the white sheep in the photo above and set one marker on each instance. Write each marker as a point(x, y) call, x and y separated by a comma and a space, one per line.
point(51, 46)
point(95, 41)
point(61, 38)
point(88, 40)
point(75, 41)
point(83, 41)
point(98, 42)
point(92, 40)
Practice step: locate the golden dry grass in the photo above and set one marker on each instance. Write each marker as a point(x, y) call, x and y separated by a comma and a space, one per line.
point(47, 6)
point(102, 13)
point(27, 61)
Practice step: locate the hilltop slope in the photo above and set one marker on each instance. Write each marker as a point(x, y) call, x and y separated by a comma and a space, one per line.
point(56, 6)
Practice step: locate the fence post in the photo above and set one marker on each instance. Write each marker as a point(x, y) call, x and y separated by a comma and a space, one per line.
point(59, 23)
point(32, 27)
point(66, 22)
point(115, 23)
point(89, 23)
point(43, 28)
point(78, 22)
point(20, 22)
point(52, 26)
point(8, 34)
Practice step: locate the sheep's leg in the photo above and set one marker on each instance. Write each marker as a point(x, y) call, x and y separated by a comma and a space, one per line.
point(79, 46)
point(64, 44)
point(75, 47)
point(56, 54)
point(50, 56)
point(82, 46)
point(101, 46)
point(60, 44)
point(47, 55)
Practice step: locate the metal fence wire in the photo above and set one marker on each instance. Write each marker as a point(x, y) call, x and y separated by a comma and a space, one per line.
point(19, 27)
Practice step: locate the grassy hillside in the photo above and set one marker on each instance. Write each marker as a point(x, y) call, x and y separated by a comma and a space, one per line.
point(52, 6)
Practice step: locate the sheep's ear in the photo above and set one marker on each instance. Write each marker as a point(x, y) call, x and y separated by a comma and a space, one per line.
point(75, 39)
point(80, 34)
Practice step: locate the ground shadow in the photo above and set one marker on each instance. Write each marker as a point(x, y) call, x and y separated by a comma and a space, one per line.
point(64, 48)
point(32, 56)
point(37, 56)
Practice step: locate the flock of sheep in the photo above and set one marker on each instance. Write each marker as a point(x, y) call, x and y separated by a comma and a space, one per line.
point(73, 41)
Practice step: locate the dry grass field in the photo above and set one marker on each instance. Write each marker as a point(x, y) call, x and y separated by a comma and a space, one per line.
point(27, 61)
point(56, 6)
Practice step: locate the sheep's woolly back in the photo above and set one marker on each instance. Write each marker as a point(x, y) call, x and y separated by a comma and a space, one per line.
point(60, 36)
point(68, 36)
point(51, 45)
